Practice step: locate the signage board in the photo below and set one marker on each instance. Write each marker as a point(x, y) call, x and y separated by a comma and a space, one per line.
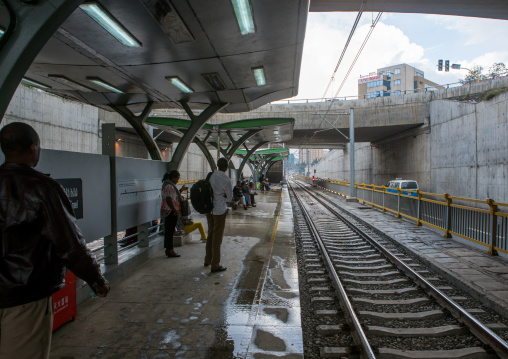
point(369, 79)
point(73, 188)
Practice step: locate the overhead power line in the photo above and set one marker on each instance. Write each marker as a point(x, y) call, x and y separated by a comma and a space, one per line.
point(359, 52)
point(358, 17)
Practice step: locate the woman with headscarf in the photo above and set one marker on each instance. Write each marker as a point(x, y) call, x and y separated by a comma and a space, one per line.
point(170, 209)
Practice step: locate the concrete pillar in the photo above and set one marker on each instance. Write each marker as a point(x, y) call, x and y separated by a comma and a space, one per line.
point(352, 188)
point(108, 149)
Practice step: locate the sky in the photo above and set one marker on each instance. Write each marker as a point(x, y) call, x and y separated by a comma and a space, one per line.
point(418, 40)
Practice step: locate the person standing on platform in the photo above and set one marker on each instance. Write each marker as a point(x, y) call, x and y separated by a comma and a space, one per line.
point(261, 185)
point(170, 209)
point(222, 193)
point(38, 237)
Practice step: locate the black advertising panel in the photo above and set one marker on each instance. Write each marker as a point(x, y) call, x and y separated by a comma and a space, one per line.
point(73, 188)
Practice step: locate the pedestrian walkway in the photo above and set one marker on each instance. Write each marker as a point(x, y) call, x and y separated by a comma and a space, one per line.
point(468, 266)
point(176, 308)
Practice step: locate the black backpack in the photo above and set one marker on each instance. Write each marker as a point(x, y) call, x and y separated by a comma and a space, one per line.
point(201, 195)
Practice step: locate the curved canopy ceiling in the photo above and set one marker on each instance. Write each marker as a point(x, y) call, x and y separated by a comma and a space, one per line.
point(268, 130)
point(199, 42)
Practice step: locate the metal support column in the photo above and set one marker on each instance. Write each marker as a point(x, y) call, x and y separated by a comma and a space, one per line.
point(352, 188)
point(197, 124)
point(108, 149)
point(138, 123)
point(247, 158)
point(30, 28)
point(206, 153)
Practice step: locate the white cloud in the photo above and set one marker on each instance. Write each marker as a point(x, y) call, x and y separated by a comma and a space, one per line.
point(484, 41)
point(325, 39)
point(477, 31)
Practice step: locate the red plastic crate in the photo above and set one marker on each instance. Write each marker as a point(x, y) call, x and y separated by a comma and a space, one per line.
point(64, 302)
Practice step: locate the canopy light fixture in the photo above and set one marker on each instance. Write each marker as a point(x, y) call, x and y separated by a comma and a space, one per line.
point(34, 83)
point(275, 132)
point(104, 84)
point(247, 141)
point(110, 24)
point(179, 84)
point(277, 138)
point(259, 74)
point(243, 14)
point(2, 31)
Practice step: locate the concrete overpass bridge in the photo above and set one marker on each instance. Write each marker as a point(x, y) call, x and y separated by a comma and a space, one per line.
point(377, 120)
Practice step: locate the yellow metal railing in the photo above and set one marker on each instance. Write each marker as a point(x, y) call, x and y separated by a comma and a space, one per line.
point(458, 216)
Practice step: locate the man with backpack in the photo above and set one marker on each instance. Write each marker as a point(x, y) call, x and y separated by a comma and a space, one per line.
point(222, 193)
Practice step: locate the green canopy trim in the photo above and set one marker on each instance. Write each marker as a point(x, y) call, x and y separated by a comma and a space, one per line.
point(174, 122)
point(279, 158)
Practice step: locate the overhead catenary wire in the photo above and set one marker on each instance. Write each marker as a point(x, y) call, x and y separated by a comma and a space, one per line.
point(353, 29)
point(359, 53)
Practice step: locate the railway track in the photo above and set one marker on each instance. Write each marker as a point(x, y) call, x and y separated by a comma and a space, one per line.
point(374, 301)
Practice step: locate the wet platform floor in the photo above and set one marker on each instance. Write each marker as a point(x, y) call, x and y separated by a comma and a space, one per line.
point(176, 308)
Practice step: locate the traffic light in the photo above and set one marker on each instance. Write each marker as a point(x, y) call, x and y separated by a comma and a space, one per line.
point(313, 179)
point(440, 65)
point(447, 66)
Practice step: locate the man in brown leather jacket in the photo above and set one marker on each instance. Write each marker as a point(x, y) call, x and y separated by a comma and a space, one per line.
point(38, 237)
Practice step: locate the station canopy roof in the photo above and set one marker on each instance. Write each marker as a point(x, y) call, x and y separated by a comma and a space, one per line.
point(199, 52)
point(272, 130)
point(275, 154)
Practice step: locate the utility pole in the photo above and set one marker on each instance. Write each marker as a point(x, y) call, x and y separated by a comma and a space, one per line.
point(308, 164)
point(352, 189)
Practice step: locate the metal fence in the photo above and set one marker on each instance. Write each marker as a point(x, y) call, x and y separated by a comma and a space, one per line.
point(484, 222)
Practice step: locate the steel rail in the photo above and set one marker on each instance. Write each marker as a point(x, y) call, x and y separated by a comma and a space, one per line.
point(351, 317)
point(486, 335)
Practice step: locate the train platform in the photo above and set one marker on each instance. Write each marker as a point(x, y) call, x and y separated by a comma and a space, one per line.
point(176, 308)
point(466, 265)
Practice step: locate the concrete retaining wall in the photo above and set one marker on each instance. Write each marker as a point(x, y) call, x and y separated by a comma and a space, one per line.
point(463, 152)
point(72, 126)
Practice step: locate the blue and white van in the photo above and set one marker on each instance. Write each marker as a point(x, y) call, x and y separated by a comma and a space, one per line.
point(402, 184)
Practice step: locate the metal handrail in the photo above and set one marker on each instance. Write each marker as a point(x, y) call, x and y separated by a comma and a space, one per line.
point(364, 97)
point(485, 226)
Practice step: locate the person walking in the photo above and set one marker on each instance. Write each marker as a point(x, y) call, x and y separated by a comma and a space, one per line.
point(222, 193)
point(170, 209)
point(39, 237)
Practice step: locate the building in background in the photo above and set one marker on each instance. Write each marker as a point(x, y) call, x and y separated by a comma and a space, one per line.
point(393, 81)
point(314, 155)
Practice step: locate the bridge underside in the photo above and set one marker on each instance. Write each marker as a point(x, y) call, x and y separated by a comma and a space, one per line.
point(332, 139)
point(494, 9)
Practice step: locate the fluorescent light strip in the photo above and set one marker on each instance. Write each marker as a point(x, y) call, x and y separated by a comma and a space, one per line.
point(110, 25)
point(259, 74)
point(180, 84)
point(244, 16)
point(275, 132)
point(105, 85)
point(35, 83)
